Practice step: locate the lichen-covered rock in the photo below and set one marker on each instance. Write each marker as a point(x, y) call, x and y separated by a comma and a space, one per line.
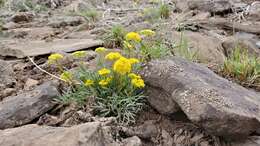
point(217, 105)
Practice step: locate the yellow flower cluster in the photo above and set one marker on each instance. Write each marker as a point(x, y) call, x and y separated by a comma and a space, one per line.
point(133, 36)
point(79, 54)
point(134, 76)
point(53, 58)
point(137, 81)
point(147, 32)
point(105, 82)
point(100, 50)
point(133, 60)
point(89, 82)
point(104, 72)
point(113, 56)
point(66, 76)
point(122, 66)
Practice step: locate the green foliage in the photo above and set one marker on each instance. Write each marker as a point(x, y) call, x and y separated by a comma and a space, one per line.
point(90, 15)
point(155, 13)
point(26, 5)
point(119, 99)
point(124, 108)
point(182, 49)
point(164, 11)
point(78, 95)
point(2, 3)
point(115, 37)
point(148, 48)
point(242, 67)
point(155, 50)
point(1, 24)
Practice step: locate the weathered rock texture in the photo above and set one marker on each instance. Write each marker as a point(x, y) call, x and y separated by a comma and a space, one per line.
point(34, 48)
point(22, 109)
point(219, 106)
point(89, 134)
point(215, 6)
point(6, 75)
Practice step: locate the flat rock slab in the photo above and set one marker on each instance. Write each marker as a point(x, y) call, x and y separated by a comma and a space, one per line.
point(89, 134)
point(217, 105)
point(21, 49)
point(24, 108)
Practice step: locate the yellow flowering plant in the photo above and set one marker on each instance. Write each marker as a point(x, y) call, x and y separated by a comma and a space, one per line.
point(79, 54)
point(145, 45)
point(100, 50)
point(115, 86)
point(54, 58)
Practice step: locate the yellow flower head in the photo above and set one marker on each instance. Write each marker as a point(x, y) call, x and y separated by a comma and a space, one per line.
point(128, 45)
point(133, 36)
point(113, 56)
point(89, 82)
point(66, 76)
point(54, 58)
point(134, 76)
point(122, 66)
point(104, 72)
point(147, 32)
point(100, 50)
point(134, 60)
point(105, 82)
point(138, 83)
point(79, 54)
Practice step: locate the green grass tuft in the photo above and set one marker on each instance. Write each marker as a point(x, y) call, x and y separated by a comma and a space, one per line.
point(115, 37)
point(242, 67)
point(182, 49)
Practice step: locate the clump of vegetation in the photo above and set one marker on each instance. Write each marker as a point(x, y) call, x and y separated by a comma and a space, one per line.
point(145, 44)
point(242, 67)
point(1, 25)
point(26, 5)
point(115, 37)
point(182, 49)
point(91, 15)
point(117, 88)
point(159, 12)
point(115, 85)
point(2, 3)
point(164, 11)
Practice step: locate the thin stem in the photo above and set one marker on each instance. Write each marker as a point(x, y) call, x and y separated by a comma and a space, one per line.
point(43, 69)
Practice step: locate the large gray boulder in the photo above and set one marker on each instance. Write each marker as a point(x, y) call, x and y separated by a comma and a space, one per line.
point(89, 134)
point(24, 108)
point(217, 105)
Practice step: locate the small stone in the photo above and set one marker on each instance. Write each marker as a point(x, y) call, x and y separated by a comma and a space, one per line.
point(7, 92)
point(132, 141)
point(30, 83)
point(22, 17)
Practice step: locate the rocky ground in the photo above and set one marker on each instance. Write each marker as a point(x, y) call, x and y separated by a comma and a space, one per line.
point(188, 104)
